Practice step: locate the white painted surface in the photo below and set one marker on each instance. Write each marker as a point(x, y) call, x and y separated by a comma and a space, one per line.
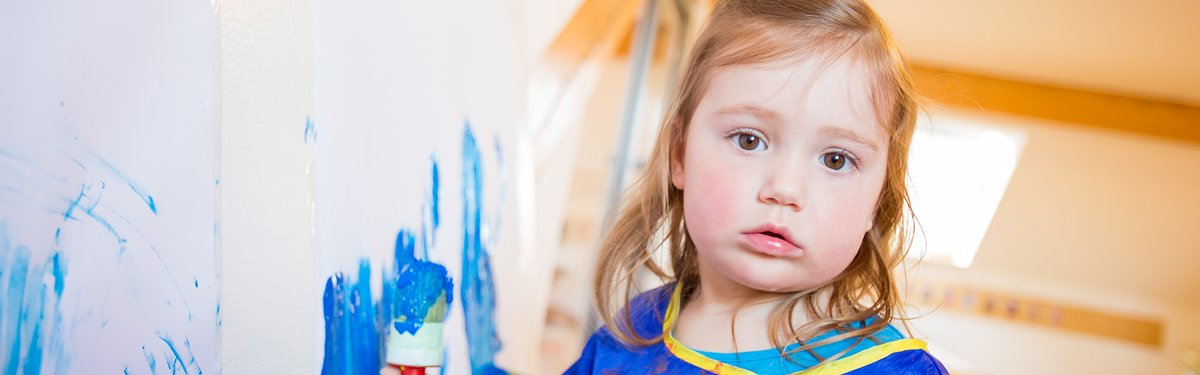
point(266, 237)
point(253, 159)
point(397, 85)
point(108, 260)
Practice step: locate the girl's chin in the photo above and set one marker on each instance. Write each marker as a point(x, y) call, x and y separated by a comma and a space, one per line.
point(763, 282)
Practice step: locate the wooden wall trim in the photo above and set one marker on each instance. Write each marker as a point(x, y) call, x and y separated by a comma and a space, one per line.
point(1101, 110)
point(936, 297)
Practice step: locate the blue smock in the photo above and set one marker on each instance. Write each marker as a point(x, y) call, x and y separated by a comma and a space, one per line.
point(653, 313)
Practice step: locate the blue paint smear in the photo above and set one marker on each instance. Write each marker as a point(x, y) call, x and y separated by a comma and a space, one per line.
point(121, 240)
point(417, 286)
point(477, 290)
point(175, 361)
point(437, 211)
point(195, 282)
point(356, 327)
point(14, 311)
point(30, 317)
point(310, 130)
point(353, 344)
point(74, 203)
point(150, 361)
point(91, 212)
point(58, 269)
point(502, 172)
point(136, 189)
point(431, 212)
point(34, 316)
point(187, 344)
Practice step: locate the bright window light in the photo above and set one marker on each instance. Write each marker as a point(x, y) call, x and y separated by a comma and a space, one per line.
point(959, 169)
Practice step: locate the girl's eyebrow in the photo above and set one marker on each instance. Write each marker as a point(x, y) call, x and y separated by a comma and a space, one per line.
point(849, 135)
point(751, 110)
point(768, 115)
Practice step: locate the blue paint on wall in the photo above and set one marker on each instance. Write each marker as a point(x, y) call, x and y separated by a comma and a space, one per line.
point(352, 340)
point(436, 210)
point(71, 207)
point(174, 360)
point(431, 216)
point(187, 344)
point(90, 210)
point(87, 201)
point(502, 172)
point(417, 284)
point(356, 326)
point(146, 197)
point(30, 317)
point(310, 130)
point(150, 361)
point(14, 310)
point(477, 290)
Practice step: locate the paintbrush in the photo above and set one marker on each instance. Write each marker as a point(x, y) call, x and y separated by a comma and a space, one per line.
point(413, 352)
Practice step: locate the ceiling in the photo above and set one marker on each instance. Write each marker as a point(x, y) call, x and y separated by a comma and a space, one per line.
point(1147, 49)
point(1083, 207)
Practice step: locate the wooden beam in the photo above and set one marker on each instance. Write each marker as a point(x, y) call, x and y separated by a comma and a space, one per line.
point(594, 23)
point(1040, 312)
point(1100, 110)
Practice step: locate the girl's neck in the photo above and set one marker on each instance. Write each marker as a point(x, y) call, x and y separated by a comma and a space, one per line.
point(704, 322)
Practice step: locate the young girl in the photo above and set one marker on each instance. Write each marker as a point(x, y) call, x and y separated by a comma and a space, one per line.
point(777, 187)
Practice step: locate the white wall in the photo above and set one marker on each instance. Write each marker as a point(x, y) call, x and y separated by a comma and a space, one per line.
point(151, 96)
point(267, 234)
point(267, 243)
point(108, 258)
point(1092, 218)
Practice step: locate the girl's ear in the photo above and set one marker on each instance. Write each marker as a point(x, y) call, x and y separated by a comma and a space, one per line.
point(676, 161)
point(870, 224)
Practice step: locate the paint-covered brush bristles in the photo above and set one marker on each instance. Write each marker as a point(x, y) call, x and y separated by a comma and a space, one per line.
point(437, 312)
point(414, 351)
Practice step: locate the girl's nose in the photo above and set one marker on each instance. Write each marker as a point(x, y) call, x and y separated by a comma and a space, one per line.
point(784, 186)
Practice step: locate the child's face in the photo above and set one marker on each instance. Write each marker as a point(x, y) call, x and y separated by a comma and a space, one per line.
point(778, 151)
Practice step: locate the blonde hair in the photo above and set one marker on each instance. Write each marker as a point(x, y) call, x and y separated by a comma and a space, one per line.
point(651, 218)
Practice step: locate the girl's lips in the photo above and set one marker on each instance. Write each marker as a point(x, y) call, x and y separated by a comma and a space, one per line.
point(771, 245)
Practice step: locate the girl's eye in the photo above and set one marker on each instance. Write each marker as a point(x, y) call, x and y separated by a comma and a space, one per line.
point(836, 160)
point(749, 142)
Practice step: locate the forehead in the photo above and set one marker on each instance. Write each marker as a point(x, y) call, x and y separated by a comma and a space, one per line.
point(811, 91)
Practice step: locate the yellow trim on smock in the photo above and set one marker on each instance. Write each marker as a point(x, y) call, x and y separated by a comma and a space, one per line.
point(836, 367)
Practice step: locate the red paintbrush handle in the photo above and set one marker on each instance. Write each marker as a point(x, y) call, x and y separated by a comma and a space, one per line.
point(409, 370)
